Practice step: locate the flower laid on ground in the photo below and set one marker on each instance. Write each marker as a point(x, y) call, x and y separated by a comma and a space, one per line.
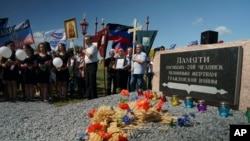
point(184, 121)
point(94, 127)
point(84, 136)
point(91, 113)
point(108, 123)
point(148, 94)
point(143, 103)
point(122, 138)
point(123, 106)
point(124, 92)
point(140, 92)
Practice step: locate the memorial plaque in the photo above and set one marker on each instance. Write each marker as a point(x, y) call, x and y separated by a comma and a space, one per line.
point(213, 75)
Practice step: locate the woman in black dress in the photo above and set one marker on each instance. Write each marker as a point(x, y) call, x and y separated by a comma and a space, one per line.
point(28, 72)
point(42, 70)
point(10, 72)
point(62, 73)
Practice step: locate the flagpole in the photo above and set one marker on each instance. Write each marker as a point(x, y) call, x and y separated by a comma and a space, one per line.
point(134, 39)
point(73, 45)
point(104, 70)
point(147, 22)
point(96, 23)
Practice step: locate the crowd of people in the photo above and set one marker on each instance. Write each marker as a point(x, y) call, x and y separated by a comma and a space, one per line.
point(131, 71)
point(37, 73)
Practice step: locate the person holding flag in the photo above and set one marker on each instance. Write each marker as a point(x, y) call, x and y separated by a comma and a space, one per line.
point(138, 69)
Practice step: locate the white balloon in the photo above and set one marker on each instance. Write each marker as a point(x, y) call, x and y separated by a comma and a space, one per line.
point(57, 62)
point(5, 52)
point(21, 54)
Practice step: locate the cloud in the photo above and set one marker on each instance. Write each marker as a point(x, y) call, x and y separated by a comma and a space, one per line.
point(38, 37)
point(223, 30)
point(198, 20)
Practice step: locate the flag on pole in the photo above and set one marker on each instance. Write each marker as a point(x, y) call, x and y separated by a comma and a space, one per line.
point(192, 43)
point(120, 36)
point(101, 39)
point(146, 38)
point(54, 37)
point(3, 22)
point(172, 46)
point(21, 34)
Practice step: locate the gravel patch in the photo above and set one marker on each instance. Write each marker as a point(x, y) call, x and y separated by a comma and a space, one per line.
point(29, 121)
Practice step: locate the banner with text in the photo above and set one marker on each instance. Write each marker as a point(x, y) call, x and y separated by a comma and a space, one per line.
point(21, 34)
point(54, 37)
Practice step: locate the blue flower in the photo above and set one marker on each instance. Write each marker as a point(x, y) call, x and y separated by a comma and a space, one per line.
point(185, 120)
point(127, 120)
point(134, 98)
point(83, 136)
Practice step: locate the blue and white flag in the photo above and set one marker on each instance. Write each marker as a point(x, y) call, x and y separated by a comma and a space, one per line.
point(172, 46)
point(54, 37)
point(20, 34)
point(192, 43)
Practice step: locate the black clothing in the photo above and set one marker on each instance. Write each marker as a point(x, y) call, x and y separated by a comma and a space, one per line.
point(42, 70)
point(111, 75)
point(91, 70)
point(10, 72)
point(63, 75)
point(122, 75)
point(28, 73)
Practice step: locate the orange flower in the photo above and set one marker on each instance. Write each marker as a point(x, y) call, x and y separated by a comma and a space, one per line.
point(91, 113)
point(123, 106)
point(94, 127)
point(104, 134)
point(124, 92)
point(143, 103)
point(148, 94)
point(122, 138)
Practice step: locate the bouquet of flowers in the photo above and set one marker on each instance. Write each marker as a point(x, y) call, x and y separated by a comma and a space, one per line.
point(109, 123)
point(44, 66)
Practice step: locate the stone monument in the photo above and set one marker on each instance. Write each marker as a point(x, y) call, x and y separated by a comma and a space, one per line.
point(213, 72)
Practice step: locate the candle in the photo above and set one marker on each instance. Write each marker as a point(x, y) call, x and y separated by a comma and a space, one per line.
point(175, 100)
point(154, 96)
point(248, 114)
point(201, 106)
point(189, 102)
point(224, 109)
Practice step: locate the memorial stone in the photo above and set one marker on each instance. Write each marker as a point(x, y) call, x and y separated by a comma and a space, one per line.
point(213, 75)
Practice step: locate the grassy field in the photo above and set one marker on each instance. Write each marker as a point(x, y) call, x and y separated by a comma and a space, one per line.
point(74, 99)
